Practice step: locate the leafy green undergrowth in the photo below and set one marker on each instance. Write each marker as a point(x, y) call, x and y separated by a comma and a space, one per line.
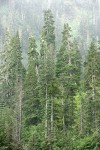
point(88, 143)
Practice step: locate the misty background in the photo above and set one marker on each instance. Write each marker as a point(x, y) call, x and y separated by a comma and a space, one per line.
point(26, 16)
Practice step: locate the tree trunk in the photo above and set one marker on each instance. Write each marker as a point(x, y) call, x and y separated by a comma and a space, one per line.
point(19, 94)
point(52, 125)
point(63, 118)
point(46, 114)
point(81, 118)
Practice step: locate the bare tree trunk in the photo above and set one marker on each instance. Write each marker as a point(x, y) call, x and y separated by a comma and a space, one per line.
point(20, 112)
point(19, 94)
point(52, 125)
point(46, 114)
point(93, 97)
point(63, 118)
point(81, 118)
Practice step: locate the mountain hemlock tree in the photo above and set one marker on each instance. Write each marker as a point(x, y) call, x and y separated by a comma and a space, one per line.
point(31, 108)
point(92, 87)
point(12, 85)
point(6, 124)
point(68, 69)
point(5, 67)
point(16, 74)
point(47, 73)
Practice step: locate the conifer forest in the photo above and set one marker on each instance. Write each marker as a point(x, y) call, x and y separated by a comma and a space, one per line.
point(49, 74)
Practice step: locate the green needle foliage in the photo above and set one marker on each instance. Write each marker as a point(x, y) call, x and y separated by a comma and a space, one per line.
point(54, 102)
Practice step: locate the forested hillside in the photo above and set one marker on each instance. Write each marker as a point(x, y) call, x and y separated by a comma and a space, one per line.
point(49, 75)
point(27, 16)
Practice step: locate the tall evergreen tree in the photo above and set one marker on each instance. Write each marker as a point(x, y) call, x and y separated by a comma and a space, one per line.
point(31, 108)
point(47, 73)
point(12, 84)
point(17, 74)
point(68, 72)
point(31, 85)
point(92, 85)
point(7, 87)
point(5, 67)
